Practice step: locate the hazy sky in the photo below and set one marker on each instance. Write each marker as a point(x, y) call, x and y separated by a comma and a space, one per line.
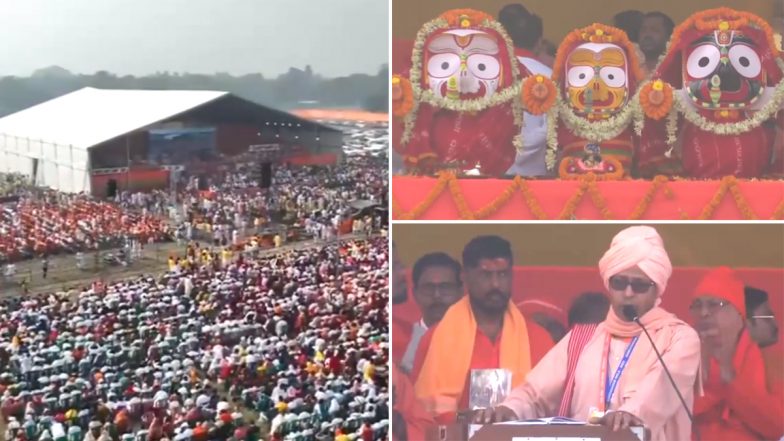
point(138, 37)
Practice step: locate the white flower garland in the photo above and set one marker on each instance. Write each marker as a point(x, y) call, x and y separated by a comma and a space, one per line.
point(509, 95)
point(592, 131)
point(765, 113)
point(672, 130)
point(760, 116)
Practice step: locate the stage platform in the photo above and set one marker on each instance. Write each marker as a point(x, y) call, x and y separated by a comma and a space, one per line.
point(446, 198)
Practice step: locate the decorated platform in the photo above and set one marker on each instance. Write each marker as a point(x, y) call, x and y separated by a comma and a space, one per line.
point(446, 197)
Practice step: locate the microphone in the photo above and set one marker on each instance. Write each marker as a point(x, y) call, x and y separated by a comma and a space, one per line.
point(630, 313)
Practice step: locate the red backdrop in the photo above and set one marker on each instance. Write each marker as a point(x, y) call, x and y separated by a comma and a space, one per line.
point(139, 180)
point(561, 285)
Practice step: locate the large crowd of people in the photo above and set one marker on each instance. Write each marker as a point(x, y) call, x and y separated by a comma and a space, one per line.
point(44, 222)
point(287, 347)
point(315, 199)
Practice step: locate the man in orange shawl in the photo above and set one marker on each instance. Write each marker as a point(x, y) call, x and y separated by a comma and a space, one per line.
point(483, 330)
point(590, 379)
point(738, 403)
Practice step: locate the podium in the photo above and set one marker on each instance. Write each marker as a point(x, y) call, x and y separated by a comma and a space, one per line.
point(533, 432)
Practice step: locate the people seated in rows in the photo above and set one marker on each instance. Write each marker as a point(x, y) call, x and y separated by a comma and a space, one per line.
point(288, 346)
point(45, 222)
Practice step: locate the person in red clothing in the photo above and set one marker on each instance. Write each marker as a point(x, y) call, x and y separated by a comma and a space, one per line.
point(737, 404)
point(763, 329)
point(404, 308)
point(437, 286)
point(760, 321)
point(409, 418)
point(483, 330)
point(547, 315)
point(333, 363)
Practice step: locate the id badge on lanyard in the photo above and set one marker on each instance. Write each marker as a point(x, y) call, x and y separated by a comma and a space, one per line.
point(611, 384)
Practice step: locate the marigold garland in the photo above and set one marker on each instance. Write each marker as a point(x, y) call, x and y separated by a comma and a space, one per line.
point(452, 19)
point(405, 104)
point(568, 210)
point(419, 210)
point(538, 94)
point(728, 183)
point(593, 131)
point(778, 214)
point(596, 33)
point(530, 200)
point(758, 118)
point(457, 196)
point(740, 201)
point(711, 20)
point(598, 199)
point(588, 184)
point(496, 204)
point(656, 107)
point(642, 207)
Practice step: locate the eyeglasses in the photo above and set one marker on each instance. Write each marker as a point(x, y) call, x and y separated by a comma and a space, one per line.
point(430, 289)
point(712, 306)
point(639, 286)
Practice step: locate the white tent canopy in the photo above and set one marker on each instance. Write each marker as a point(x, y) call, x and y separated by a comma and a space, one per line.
point(53, 138)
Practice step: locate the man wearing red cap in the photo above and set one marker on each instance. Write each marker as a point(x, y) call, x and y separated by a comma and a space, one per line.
point(737, 404)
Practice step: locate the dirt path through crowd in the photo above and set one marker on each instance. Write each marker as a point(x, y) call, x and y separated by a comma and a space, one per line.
point(63, 274)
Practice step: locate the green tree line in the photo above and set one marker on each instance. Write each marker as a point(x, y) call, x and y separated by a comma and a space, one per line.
point(296, 88)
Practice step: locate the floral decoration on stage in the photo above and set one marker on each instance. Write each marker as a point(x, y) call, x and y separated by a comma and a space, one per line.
point(460, 101)
point(594, 115)
point(724, 71)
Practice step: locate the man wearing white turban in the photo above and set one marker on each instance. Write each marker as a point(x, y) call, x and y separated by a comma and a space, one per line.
point(611, 373)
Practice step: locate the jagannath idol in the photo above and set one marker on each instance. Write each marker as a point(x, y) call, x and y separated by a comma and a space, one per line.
point(594, 116)
point(719, 89)
point(460, 101)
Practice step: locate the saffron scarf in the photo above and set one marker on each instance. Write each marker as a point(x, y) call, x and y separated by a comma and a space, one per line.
point(443, 376)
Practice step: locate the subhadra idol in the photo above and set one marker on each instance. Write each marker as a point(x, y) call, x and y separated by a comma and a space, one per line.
point(594, 117)
point(724, 74)
point(460, 101)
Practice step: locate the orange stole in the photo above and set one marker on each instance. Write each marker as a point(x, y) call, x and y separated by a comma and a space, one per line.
point(446, 366)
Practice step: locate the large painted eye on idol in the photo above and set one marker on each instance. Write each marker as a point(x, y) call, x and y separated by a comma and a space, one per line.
point(579, 76)
point(613, 76)
point(443, 65)
point(703, 61)
point(484, 66)
point(745, 60)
